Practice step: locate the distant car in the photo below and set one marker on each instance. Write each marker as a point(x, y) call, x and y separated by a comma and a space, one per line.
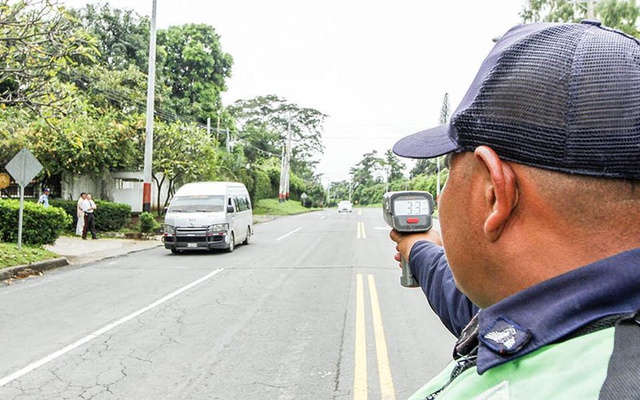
point(344, 206)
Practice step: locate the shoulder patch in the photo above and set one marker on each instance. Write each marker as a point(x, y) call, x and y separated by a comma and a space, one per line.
point(504, 336)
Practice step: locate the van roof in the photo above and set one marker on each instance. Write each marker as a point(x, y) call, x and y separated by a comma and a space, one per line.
point(209, 187)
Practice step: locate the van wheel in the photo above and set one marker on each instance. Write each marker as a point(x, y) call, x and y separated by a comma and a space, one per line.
point(232, 243)
point(174, 251)
point(247, 239)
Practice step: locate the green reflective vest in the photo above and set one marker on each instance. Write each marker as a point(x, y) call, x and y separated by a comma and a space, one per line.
point(574, 369)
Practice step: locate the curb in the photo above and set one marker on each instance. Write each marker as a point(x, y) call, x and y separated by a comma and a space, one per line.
point(12, 272)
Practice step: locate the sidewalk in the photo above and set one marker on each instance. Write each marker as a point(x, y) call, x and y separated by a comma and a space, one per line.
point(79, 251)
point(74, 251)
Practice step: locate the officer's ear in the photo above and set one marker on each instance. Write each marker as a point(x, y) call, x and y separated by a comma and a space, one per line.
point(500, 191)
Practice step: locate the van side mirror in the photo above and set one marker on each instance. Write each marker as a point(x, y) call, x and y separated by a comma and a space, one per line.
point(230, 209)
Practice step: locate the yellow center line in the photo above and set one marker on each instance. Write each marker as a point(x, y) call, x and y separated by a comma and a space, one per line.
point(361, 233)
point(384, 369)
point(360, 373)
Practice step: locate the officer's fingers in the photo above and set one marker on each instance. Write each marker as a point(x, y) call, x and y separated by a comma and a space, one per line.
point(394, 235)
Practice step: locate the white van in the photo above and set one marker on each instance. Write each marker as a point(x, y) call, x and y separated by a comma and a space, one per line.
point(208, 215)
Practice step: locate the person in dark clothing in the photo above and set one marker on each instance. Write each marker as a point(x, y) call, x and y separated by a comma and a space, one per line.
point(89, 207)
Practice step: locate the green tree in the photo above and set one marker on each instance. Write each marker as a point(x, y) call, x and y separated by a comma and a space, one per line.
point(424, 166)
point(619, 14)
point(38, 39)
point(394, 167)
point(181, 154)
point(365, 175)
point(122, 35)
point(195, 69)
point(275, 116)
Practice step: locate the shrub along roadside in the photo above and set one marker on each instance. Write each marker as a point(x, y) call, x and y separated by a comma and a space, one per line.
point(40, 225)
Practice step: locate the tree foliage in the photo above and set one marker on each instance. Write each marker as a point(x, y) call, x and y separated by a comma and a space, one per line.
point(95, 58)
point(619, 14)
point(275, 117)
point(182, 153)
point(38, 39)
point(122, 36)
point(195, 69)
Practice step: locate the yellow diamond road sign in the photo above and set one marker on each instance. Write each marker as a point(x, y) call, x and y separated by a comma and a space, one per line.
point(23, 167)
point(4, 180)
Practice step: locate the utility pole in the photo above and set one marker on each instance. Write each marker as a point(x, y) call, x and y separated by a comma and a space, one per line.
point(148, 141)
point(288, 169)
point(282, 175)
point(285, 167)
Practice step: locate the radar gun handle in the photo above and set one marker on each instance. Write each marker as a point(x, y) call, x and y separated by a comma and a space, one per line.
point(407, 279)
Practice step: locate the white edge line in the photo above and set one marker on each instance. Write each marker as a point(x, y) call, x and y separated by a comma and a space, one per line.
point(101, 331)
point(288, 234)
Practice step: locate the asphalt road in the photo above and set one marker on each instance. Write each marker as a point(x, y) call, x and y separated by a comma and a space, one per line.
point(311, 309)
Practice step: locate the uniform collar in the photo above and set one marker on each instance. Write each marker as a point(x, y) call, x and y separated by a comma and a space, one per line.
point(551, 310)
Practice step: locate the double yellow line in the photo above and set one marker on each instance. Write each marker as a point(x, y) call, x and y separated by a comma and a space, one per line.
point(360, 384)
point(361, 233)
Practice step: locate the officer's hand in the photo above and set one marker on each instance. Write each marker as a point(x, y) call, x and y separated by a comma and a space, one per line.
point(405, 241)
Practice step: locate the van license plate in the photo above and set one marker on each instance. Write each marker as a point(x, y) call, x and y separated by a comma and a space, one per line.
point(192, 244)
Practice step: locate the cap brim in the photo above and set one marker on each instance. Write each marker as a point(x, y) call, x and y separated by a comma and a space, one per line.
point(429, 143)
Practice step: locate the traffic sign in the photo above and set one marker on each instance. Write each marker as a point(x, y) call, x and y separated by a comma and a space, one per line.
point(4, 180)
point(23, 167)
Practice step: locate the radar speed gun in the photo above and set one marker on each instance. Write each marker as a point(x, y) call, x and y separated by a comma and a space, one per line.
point(408, 212)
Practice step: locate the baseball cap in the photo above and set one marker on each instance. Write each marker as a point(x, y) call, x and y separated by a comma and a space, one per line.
point(556, 96)
point(47, 190)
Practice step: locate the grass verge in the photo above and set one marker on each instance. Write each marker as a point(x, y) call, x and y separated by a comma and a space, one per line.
point(274, 207)
point(10, 255)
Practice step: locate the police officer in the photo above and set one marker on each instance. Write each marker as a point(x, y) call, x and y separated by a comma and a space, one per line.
point(539, 219)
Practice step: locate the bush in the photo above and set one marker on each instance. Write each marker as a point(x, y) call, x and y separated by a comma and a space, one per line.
point(148, 223)
point(111, 217)
point(40, 225)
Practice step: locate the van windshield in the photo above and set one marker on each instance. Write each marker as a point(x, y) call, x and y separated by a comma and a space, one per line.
point(200, 203)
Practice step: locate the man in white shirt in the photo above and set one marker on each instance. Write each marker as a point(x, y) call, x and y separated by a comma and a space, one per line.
point(88, 207)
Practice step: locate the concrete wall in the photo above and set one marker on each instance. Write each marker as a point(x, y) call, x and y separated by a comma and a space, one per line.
point(117, 187)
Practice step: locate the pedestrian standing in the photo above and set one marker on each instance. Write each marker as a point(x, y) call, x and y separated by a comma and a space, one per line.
point(44, 198)
point(89, 207)
point(80, 214)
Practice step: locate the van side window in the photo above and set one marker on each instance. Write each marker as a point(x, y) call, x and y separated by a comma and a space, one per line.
point(243, 203)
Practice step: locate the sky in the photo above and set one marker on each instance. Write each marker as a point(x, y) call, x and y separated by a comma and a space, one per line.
point(378, 68)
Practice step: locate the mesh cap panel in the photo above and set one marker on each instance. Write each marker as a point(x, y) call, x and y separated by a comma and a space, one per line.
point(563, 97)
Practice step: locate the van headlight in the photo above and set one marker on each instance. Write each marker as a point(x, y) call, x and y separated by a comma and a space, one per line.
point(218, 228)
point(169, 229)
